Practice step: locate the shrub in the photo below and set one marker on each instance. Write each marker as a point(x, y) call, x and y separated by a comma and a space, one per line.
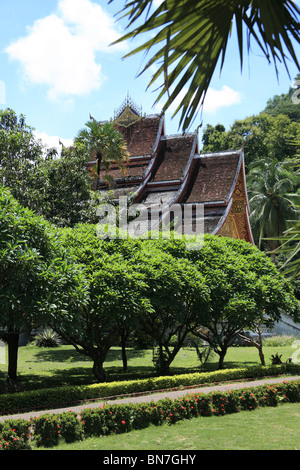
point(276, 359)
point(46, 430)
point(280, 340)
point(15, 435)
point(110, 419)
point(9, 440)
point(224, 403)
point(92, 422)
point(47, 339)
point(70, 427)
point(69, 395)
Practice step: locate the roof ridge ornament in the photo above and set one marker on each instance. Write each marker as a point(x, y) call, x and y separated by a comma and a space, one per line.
point(128, 113)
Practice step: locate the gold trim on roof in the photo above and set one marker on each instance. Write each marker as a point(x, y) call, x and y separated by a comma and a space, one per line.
point(128, 113)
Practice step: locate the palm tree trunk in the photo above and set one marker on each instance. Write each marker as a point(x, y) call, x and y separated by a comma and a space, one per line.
point(99, 160)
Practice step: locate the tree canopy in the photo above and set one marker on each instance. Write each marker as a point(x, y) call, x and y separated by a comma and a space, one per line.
point(245, 288)
point(36, 279)
point(261, 136)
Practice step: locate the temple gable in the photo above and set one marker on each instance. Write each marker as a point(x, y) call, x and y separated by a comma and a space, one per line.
point(170, 170)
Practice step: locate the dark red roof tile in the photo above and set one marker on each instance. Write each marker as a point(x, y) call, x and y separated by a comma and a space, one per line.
point(173, 157)
point(141, 136)
point(213, 178)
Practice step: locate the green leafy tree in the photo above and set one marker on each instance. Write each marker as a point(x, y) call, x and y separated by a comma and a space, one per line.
point(116, 296)
point(33, 270)
point(190, 38)
point(290, 248)
point(261, 136)
point(246, 289)
point(105, 144)
point(20, 153)
point(55, 187)
point(284, 104)
point(177, 292)
point(214, 138)
point(61, 189)
point(290, 241)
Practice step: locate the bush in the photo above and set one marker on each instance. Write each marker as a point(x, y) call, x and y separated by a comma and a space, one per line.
point(47, 339)
point(70, 395)
point(46, 430)
point(71, 429)
point(276, 359)
point(9, 440)
point(280, 340)
point(15, 435)
point(114, 419)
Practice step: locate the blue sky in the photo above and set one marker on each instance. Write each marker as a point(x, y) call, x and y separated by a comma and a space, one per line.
point(56, 67)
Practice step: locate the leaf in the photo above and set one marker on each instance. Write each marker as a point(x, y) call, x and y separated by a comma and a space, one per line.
point(191, 38)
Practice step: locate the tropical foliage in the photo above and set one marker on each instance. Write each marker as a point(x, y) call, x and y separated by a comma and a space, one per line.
point(36, 280)
point(260, 136)
point(106, 145)
point(272, 189)
point(189, 38)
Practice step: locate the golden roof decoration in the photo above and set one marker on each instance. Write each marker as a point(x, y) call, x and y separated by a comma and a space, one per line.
point(128, 113)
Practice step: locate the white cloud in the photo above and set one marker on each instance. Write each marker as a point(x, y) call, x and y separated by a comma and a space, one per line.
point(216, 99)
point(53, 140)
point(59, 50)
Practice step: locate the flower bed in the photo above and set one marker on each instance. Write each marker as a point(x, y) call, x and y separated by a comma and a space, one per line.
point(70, 395)
point(46, 430)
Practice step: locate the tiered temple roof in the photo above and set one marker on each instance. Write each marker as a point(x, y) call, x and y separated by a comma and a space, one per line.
point(167, 170)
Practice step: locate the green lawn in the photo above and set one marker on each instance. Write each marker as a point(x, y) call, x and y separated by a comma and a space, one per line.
point(265, 428)
point(261, 429)
point(46, 367)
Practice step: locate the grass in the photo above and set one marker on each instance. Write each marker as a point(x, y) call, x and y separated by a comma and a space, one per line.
point(261, 429)
point(51, 367)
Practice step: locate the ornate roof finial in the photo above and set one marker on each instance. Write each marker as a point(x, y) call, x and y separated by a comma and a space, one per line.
point(128, 113)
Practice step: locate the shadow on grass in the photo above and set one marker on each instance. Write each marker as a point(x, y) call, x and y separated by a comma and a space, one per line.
point(68, 367)
point(71, 355)
point(84, 375)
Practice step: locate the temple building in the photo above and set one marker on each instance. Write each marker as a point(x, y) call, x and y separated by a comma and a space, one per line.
point(167, 170)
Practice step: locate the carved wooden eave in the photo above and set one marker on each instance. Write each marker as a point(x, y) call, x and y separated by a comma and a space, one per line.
point(235, 221)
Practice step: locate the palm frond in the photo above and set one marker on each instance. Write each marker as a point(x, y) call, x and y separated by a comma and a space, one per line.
point(190, 38)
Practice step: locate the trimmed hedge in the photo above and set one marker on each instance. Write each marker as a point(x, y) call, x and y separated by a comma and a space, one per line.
point(70, 395)
point(46, 430)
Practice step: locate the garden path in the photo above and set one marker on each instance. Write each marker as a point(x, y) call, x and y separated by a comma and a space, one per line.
point(155, 396)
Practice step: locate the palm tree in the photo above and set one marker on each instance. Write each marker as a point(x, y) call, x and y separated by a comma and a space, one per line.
point(290, 240)
point(271, 186)
point(189, 38)
point(290, 247)
point(105, 144)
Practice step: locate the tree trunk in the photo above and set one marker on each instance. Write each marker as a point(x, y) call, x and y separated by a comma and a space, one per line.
point(261, 356)
point(12, 340)
point(99, 160)
point(258, 344)
point(124, 337)
point(99, 371)
point(222, 354)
